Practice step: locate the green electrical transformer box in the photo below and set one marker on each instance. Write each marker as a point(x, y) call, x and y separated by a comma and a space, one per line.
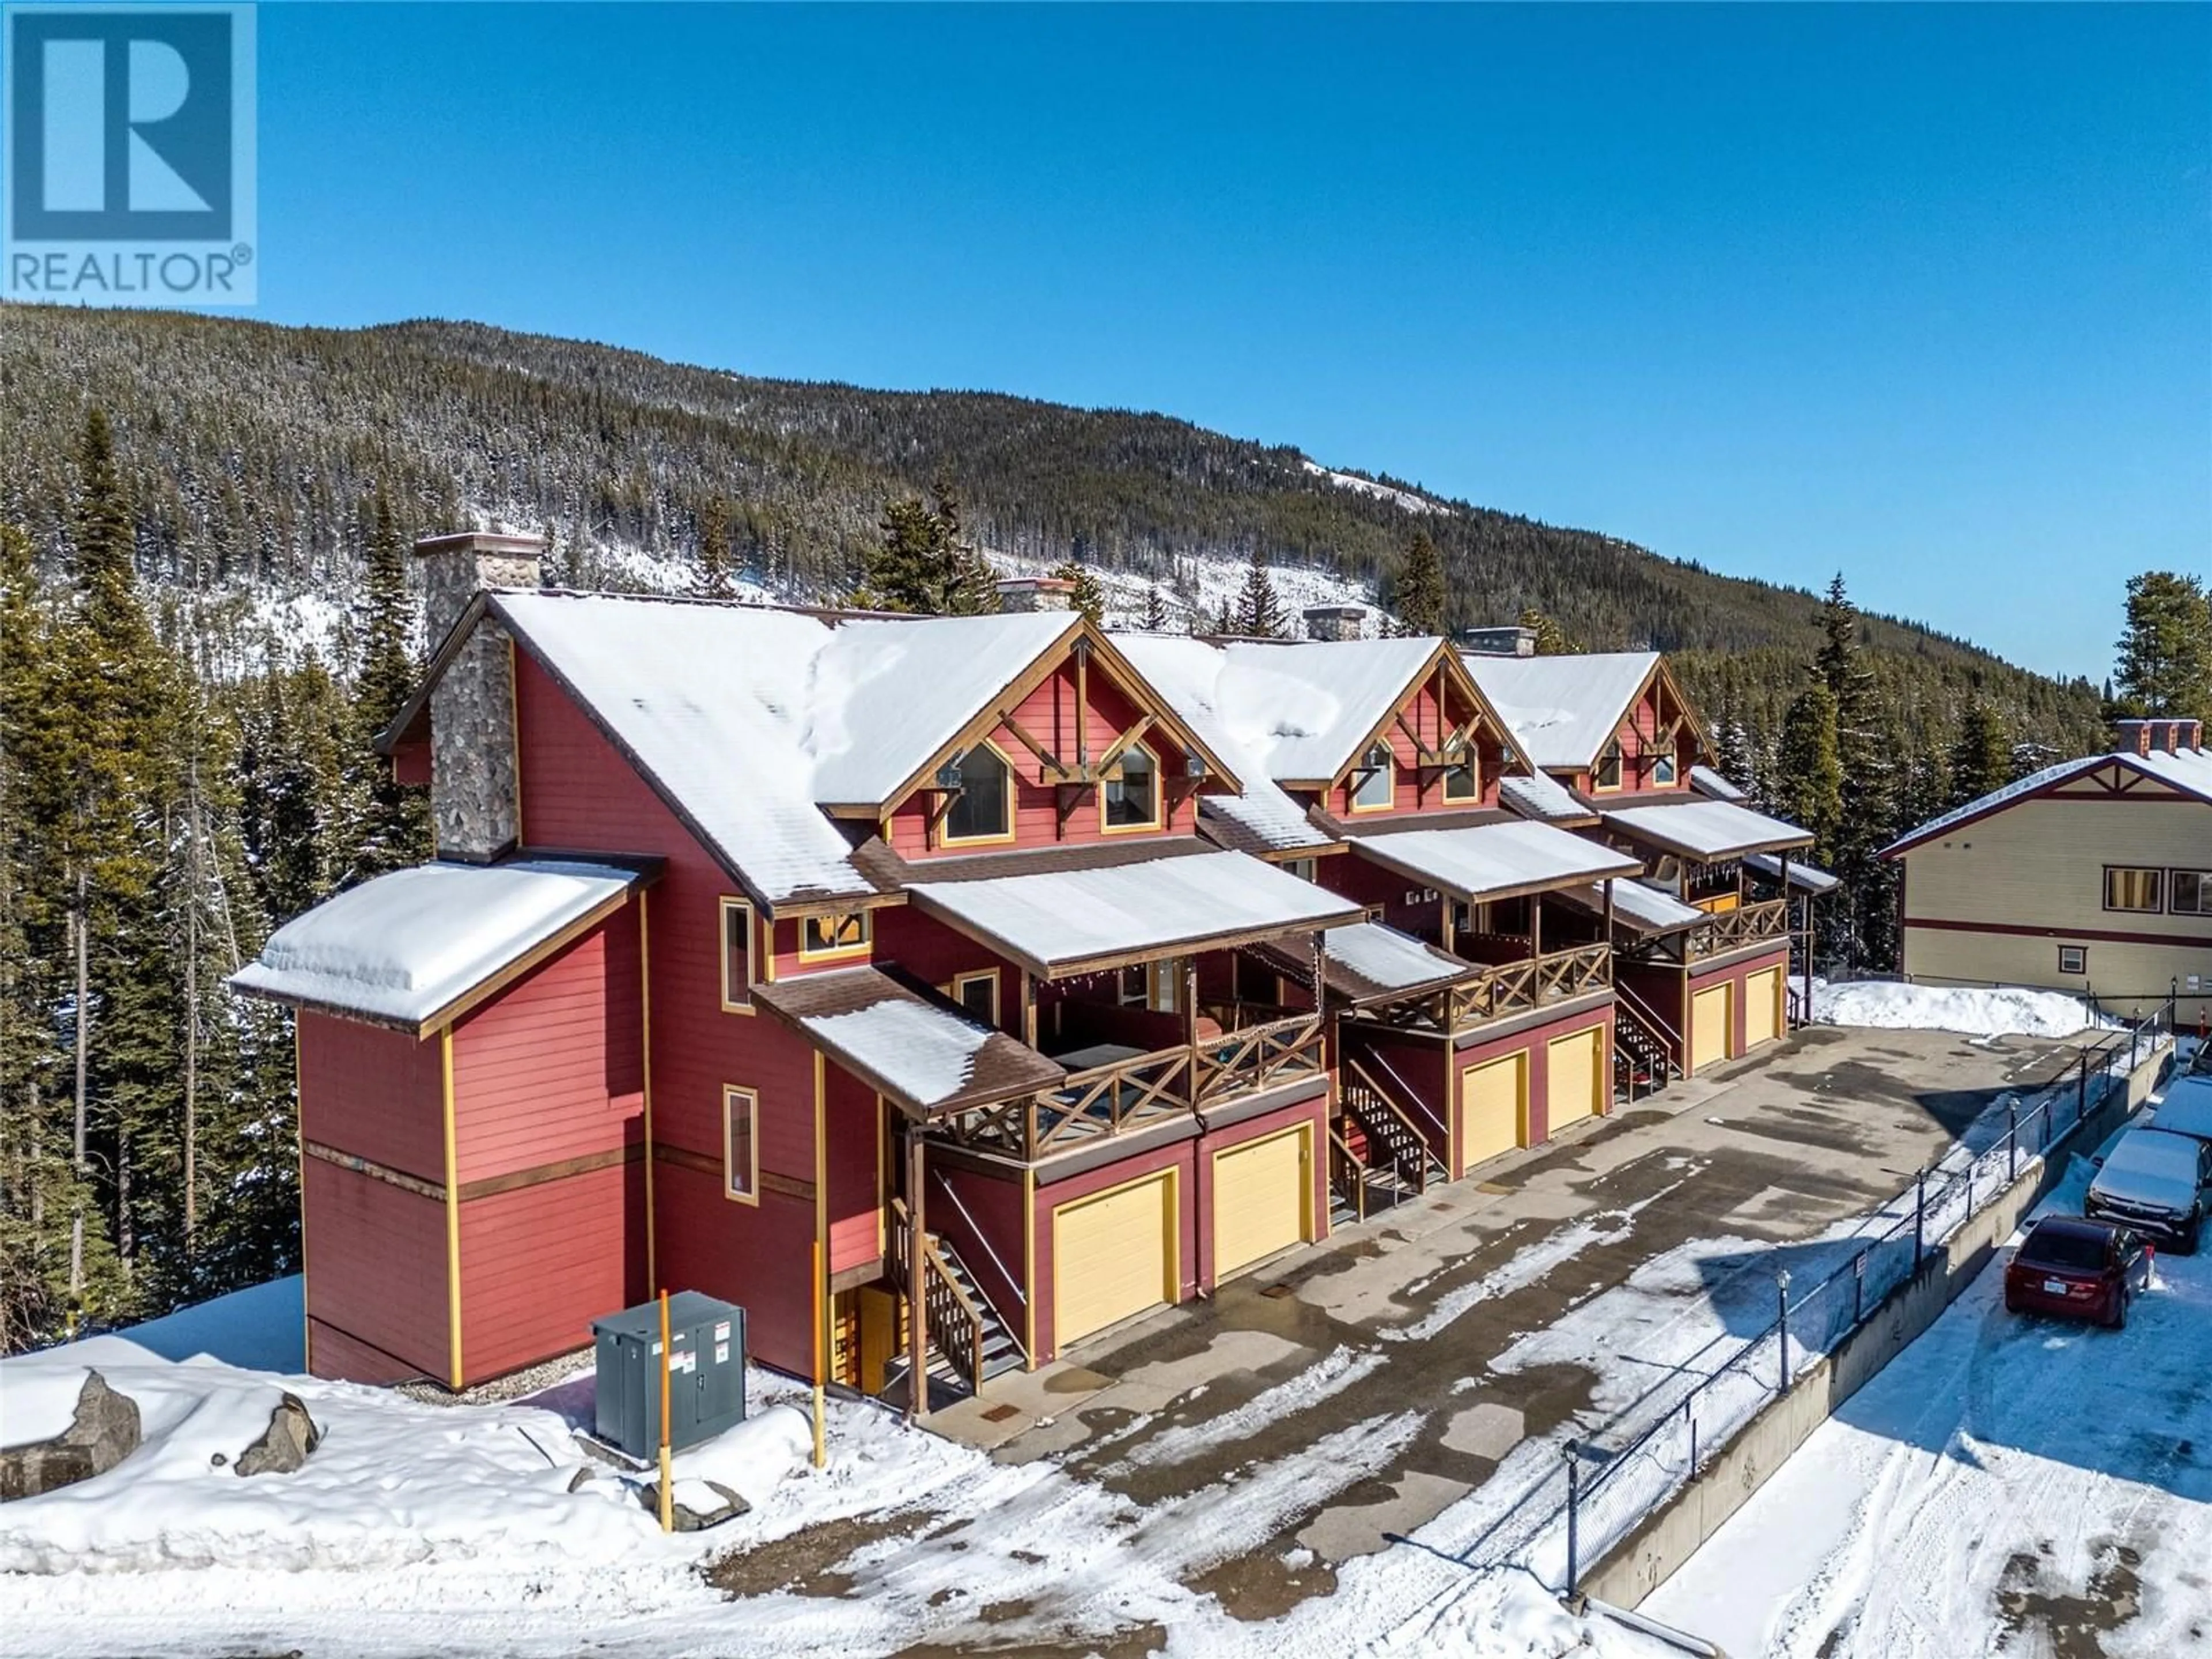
point(706, 1366)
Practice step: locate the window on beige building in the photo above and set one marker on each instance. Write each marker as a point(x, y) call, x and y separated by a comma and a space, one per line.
point(2193, 892)
point(2130, 889)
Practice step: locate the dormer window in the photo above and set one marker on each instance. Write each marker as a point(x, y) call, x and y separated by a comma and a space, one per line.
point(1461, 784)
point(984, 808)
point(1376, 784)
point(843, 935)
point(1607, 773)
point(1130, 798)
point(1662, 771)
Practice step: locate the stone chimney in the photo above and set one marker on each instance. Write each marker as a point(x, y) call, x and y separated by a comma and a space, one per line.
point(2162, 735)
point(1336, 622)
point(473, 784)
point(1511, 640)
point(1036, 593)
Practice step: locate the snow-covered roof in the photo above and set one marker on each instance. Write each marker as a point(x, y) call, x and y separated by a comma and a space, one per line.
point(752, 720)
point(1186, 674)
point(1806, 878)
point(1707, 782)
point(406, 947)
point(1070, 922)
point(2189, 770)
point(925, 1056)
point(1644, 908)
point(1543, 799)
point(1387, 959)
point(1707, 830)
point(1563, 709)
point(1494, 861)
point(1310, 706)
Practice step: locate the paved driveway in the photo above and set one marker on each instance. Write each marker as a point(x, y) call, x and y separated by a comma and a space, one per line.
point(1411, 1312)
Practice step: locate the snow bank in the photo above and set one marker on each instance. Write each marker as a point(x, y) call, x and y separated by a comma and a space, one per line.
point(2008, 1010)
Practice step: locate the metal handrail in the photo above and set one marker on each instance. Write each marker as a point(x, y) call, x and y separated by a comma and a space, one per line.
point(976, 1230)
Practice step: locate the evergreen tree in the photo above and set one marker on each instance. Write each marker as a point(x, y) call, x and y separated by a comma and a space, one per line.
point(1258, 612)
point(1552, 639)
point(2165, 665)
point(715, 549)
point(924, 563)
point(1089, 595)
point(394, 827)
point(1809, 777)
point(1156, 611)
point(1419, 594)
point(1981, 758)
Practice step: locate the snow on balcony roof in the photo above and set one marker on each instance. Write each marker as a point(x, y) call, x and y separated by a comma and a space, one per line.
point(2188, 769)
point(1805, 878)
point(1387, 960)
point(925, 1056)
point(890, 694)
point(406, 947)
point(1186, 674)
point(1563, 709)
point(1643, 908)
point(1543, 799)
point(1070, 922)
point(1712, 784)
point(1708, 830)
point(1494, 861)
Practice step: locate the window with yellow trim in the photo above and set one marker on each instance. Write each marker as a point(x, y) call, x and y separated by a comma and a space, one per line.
point(835, 935)
point(978, 992)
point(1663, 771)
point(1376, 783)
point(984, 808)
point(1461, 783)
point(740, 1145)
point(1130, 799)
point(737, 956)
point(1607, 773)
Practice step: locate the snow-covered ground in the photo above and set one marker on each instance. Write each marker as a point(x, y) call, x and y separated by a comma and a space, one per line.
point(2006, 1486)
point(2007, 1011)
point(1382, 492)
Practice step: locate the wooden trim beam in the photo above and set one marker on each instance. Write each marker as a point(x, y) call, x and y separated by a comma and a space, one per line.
point(1045, 757)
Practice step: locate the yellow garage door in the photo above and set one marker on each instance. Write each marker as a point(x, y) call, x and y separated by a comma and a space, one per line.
point(1113, 1255)
point(1570, 1091)
point(1762, 1007)
point(1493, 1104)
point(1261, 1194)
point(1711, 1019)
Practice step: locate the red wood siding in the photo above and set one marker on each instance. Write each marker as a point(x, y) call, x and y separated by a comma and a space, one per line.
point(539, 1263)
point(375, 1265)
point(579, 793)
point(377, 1093)
point(548, 1070)
point(1424, 791)
point(855, 1169)
point(1048, 714)
point(1407, 905)
point(338, 1355)
point(930, 950)
point(985, 1228)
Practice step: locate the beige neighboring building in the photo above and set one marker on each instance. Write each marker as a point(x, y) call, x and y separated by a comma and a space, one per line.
point(2094, 876)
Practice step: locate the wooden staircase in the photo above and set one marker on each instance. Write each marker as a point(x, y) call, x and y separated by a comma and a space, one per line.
point(1643, 1057)
point(969, 1343)
point(1394, 1138)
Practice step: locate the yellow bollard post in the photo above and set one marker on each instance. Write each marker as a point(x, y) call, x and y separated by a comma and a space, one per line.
point(667, 1485)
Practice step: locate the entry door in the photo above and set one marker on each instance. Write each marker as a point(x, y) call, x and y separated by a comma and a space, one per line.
point(1261, 1199)
point(1712, 1018)
point(1493, 1104)
point(1571, 1087)
point(1762, 1007)
point(1113, 1256)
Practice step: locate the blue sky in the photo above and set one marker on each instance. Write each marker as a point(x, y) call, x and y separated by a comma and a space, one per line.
point(1922, 294)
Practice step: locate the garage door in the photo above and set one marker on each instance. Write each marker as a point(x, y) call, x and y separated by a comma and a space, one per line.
point(1762, 1006)
point(1710, 1012)
point(1261, 1198)
point(1572, 1088)
point(1493, 1101)
point(1112, 1256)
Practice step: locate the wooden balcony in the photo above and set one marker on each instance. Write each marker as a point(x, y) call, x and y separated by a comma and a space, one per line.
point(1140, 1089)
point(1504, 988)
point(1757, 923)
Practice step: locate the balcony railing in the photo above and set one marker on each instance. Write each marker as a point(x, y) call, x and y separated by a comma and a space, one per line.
point(1731, 930)
point(1258, 1057)
point(1506, 988)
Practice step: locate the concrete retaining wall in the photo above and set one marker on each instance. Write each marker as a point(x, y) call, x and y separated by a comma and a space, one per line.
point(1651, 1554)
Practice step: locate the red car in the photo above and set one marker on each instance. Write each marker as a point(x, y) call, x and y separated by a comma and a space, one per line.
point(2079, 1270)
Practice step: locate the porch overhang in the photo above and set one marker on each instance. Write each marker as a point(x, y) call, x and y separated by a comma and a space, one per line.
point(1065, 922)
point(921, 1055)
point(1495, 861)
point(1637, 908)
point(1803, 877)
point(1368, 962)
point(1708, 831)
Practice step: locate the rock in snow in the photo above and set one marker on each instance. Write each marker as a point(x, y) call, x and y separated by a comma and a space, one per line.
point(103, 1432)
point(285, 1443)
